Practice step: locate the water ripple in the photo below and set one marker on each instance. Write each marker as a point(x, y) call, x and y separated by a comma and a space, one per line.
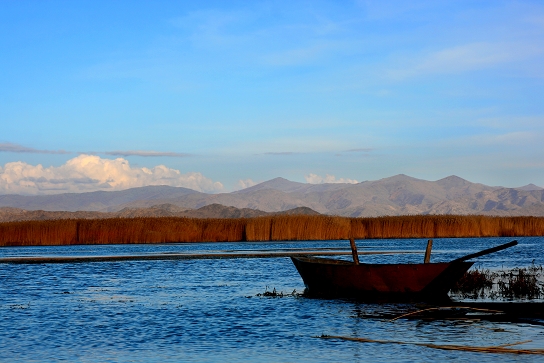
point(209, 311)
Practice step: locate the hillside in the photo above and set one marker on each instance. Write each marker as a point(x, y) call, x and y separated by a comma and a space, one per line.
point(397, 195)
point(9, 214)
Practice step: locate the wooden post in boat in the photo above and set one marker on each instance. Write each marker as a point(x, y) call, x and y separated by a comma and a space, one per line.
point(354, 251)
point(428, 252)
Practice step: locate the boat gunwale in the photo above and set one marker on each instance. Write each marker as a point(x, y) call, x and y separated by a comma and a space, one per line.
point(330, 261)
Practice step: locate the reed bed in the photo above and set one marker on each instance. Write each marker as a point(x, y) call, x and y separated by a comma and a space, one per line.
point(269, 228)
point(518, 283)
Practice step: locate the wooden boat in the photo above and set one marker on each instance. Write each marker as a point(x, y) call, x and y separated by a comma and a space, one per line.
point(420, 281)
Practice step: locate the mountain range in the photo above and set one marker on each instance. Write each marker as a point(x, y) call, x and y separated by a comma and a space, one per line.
point(397, 195)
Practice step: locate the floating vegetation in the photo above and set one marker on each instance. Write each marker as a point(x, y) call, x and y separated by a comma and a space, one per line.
point(517, 283)
point(19, 306)
point(492, 349)
point(445, 311)
point(275, 293)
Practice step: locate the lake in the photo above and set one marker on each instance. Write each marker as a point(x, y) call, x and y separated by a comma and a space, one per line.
point(209, 310)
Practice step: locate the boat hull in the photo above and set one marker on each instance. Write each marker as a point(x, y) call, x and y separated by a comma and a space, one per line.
point(336, 278)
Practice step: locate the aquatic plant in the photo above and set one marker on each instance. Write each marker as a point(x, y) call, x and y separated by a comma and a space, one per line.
point(268, 228)
point(475, 284)
point(274, 293)
point(517, 283)
point(521, 283)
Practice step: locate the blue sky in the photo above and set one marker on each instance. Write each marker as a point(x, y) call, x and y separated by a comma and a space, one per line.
point(220, 95)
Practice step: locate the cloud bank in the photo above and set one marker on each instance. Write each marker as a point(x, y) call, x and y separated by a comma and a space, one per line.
point(281, 153)
point(360, 150)
point(317, 179)
point(16, 148)
point(87, 173)
point(469, 57)
point(146, 153)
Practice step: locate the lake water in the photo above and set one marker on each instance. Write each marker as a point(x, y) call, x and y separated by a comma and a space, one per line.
point(209, 311)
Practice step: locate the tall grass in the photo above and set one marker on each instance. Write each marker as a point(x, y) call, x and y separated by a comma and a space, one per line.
point(517, 283)
point(270, 228)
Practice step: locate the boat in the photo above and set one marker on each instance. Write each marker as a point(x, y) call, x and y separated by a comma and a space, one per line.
point(426, 281)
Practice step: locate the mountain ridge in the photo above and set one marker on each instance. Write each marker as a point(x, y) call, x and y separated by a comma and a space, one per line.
point(396, 195)
point(10, 214)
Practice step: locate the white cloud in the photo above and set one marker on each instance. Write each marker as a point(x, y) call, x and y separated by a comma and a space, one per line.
point(534, 122)
point(87, 173)
point(243, 184)
point(317, 179)
point(467, 57)
point(215, 28)
point(299, 56)
point(511, 139)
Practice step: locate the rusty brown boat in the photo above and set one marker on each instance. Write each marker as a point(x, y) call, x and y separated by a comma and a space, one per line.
point(419, 281)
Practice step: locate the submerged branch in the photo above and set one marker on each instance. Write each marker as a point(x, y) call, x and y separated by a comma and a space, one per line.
point(491, 349)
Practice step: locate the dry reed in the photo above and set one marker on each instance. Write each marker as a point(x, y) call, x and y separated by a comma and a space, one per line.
point(475, 284)
point(270, 228)
point(503, 349)
point(521, 283)
point(518, 283)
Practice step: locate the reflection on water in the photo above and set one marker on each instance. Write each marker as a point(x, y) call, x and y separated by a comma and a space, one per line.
point(207, 310)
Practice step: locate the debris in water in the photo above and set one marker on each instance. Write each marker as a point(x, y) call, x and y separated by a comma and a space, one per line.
point(274, 293)
point(493, 349)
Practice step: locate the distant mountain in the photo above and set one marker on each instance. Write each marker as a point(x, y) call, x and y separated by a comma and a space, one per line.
point(94, 201)
point(287, 186)
point(529, 187)
point(397, 195)
point(279, 184)
point(9, 214)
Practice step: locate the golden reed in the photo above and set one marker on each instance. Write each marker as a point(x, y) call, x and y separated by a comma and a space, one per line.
point(273, 228)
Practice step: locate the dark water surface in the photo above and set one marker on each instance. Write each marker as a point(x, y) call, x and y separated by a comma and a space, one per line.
point(208, 310)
